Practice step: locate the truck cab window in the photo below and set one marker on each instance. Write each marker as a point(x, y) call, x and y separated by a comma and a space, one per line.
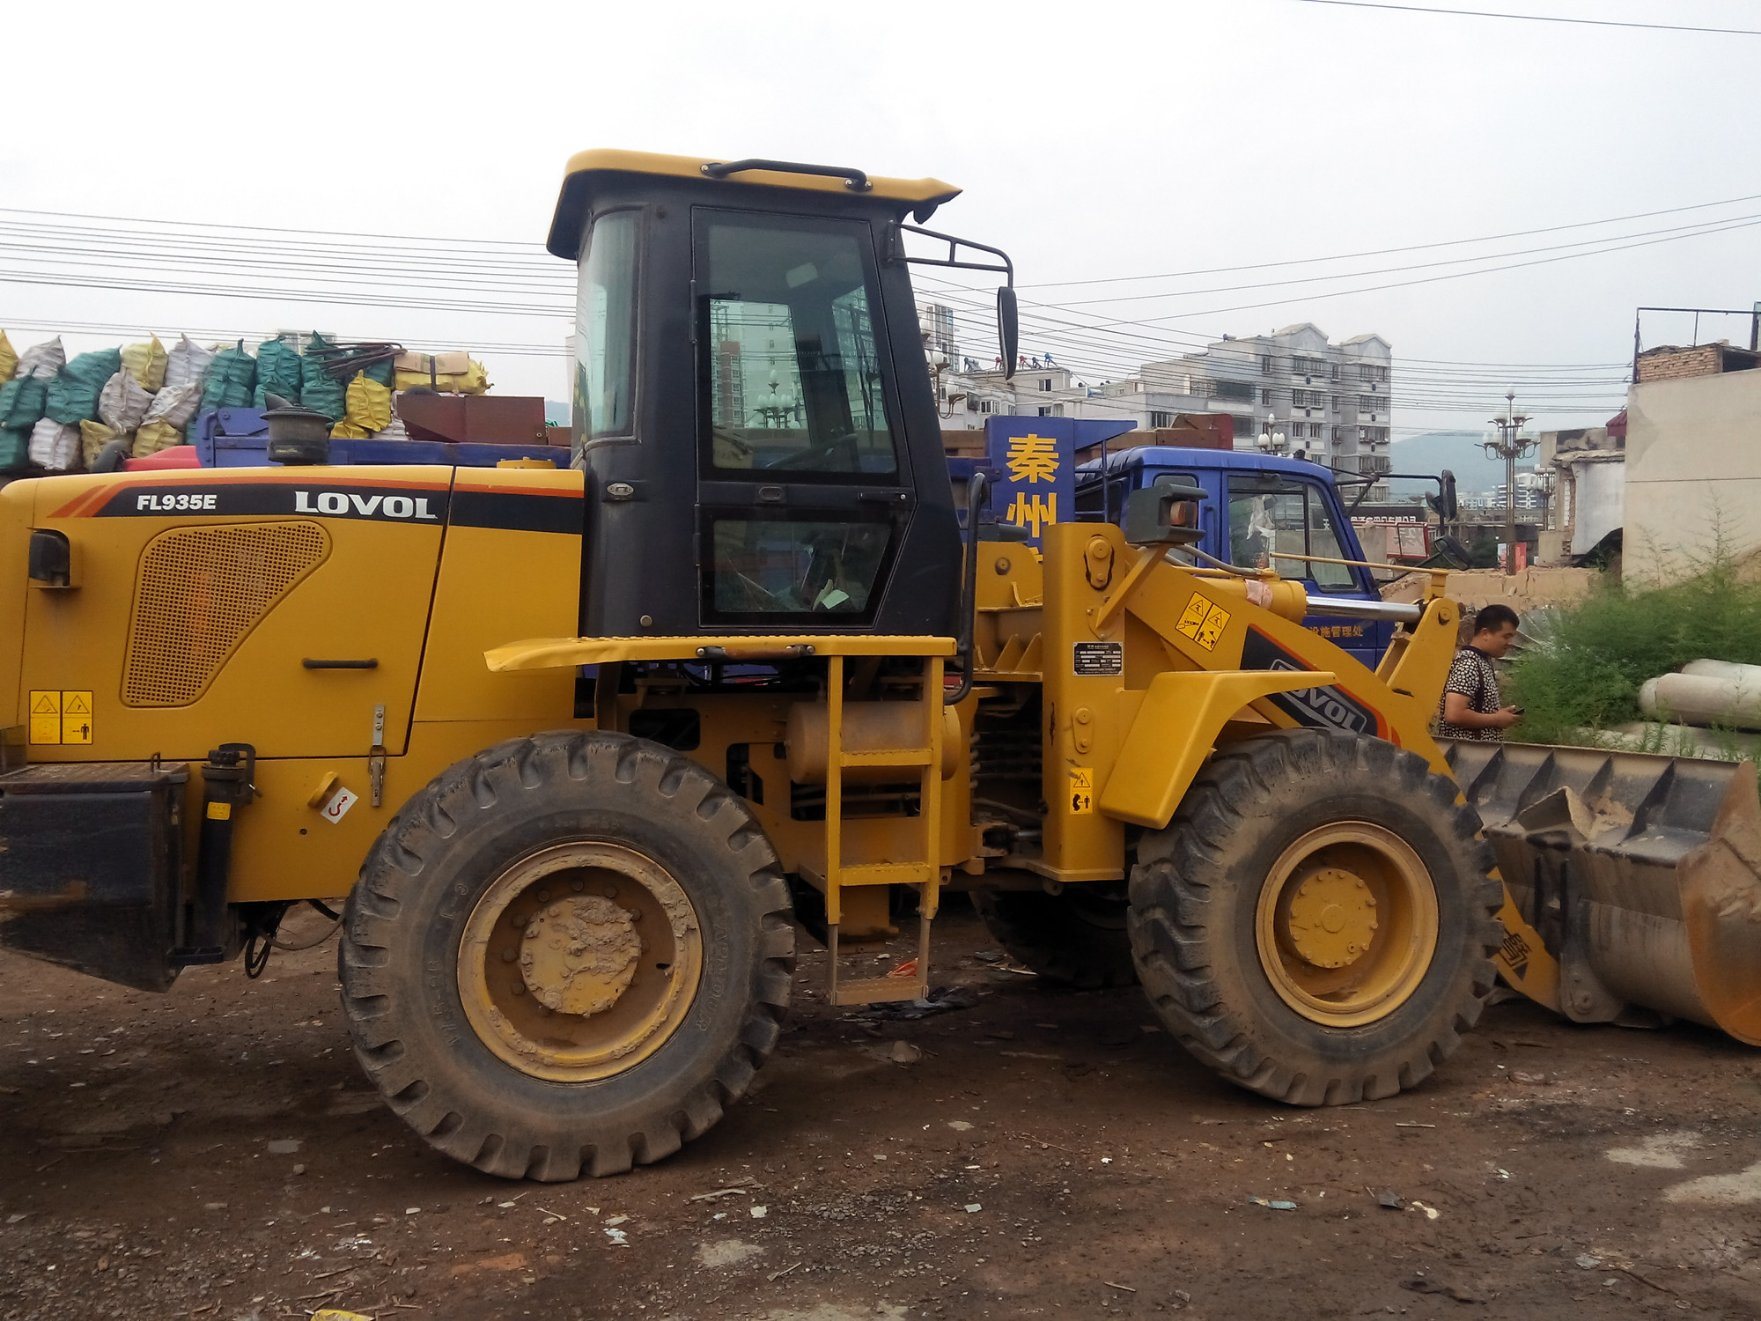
point(1280, 516)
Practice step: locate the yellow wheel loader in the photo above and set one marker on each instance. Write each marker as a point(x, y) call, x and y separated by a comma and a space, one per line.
point(581, 747)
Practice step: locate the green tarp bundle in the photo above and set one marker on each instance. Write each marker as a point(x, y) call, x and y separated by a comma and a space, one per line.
point(229, 379)
point(15, 449)
point(319, 391)
point(73, 395)
point(278, 371)
point(22, 401)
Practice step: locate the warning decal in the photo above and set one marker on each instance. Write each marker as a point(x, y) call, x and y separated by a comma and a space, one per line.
point(1082, 790)
point(1203, 621)
point(60, 716)
point(76, 717)
point(45, 716)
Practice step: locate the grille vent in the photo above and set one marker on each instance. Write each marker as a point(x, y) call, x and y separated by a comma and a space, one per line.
point(200, 593)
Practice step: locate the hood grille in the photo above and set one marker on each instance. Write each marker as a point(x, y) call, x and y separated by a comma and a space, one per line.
point(200, 593)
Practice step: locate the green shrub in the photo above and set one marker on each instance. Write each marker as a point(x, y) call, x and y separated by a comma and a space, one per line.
point(1599, 651)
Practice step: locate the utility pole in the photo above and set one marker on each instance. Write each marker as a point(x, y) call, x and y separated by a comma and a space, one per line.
point(1510, 447)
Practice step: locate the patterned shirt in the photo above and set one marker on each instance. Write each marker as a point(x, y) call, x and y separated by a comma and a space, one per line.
point(1474, 677)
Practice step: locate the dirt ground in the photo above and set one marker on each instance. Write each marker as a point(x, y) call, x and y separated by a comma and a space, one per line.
point(214, 1153)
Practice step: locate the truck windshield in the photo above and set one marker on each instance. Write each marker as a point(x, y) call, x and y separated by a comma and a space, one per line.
point(1273, 517)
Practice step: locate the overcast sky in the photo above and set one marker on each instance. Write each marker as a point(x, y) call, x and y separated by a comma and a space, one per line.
point(1093, 141)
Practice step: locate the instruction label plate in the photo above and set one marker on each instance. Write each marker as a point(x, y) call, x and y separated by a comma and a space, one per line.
point(338, 806)
point(1093, 660)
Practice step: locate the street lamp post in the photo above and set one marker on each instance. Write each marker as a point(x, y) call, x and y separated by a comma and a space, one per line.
point(1510, 446)
point(1272, 440)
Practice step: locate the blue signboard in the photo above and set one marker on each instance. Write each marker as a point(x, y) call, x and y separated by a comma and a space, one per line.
point(1033, 466)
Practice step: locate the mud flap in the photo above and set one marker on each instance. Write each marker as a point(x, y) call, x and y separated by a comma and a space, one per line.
point(1641, 875)
point(90, 860)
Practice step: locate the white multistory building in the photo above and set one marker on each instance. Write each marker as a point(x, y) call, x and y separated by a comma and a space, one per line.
point(1293, 389)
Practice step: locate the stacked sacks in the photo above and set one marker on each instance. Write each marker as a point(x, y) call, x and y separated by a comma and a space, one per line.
point(73, 395)
point(279, 372)
point(367, 409)
point(319, 390)
point(447, 373)
point(146, 363)
point(166, 418)
point(23, 400)
point(230, 378)
point(55, 446)
point(187, 363)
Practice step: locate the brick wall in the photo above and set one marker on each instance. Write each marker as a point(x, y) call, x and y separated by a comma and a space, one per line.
point(1671, 364)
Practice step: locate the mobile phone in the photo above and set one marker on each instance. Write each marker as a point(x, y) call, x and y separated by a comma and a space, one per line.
point(1518, 710)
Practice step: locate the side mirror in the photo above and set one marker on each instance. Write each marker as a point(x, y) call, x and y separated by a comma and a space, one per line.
point(1444, 502)
point(1165, 514)
point(1008, 329)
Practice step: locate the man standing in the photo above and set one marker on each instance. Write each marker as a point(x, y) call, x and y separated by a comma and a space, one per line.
point(1470, 708)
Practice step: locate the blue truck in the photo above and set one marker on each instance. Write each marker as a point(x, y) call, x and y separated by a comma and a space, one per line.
point(1258, 508)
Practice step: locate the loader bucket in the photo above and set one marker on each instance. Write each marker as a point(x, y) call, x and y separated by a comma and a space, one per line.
point(1641, 874)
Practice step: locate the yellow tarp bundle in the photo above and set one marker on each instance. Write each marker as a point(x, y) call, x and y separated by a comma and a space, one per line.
point(369, 404)
point(94, 436)
point(8, 358)
point(146, 363)
point(449, 373)
point(348, 430)
point(155, 436)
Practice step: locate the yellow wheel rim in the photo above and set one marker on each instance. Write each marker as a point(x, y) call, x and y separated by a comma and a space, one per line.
point(579, 961)
point(1346, 924)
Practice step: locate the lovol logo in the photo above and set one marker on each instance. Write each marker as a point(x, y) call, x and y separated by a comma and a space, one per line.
point(1323, 706)
point(1327, 708)
point(351, 504)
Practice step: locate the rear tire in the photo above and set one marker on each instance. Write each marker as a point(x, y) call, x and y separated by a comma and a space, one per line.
point(1317, 921)
point(568, 954)
point(1076, 937)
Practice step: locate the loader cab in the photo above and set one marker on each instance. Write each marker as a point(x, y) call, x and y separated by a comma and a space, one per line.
point(751, 402)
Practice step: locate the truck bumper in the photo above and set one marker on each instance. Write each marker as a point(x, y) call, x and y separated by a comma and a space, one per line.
point(91, 867)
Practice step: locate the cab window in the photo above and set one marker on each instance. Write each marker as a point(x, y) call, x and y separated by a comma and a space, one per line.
point(794, 385)
point(605, 328)
point(1272, 516)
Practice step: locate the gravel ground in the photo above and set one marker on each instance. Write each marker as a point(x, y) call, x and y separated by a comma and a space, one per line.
point(215, 1153)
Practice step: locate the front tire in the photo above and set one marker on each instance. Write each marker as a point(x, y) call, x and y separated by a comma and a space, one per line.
point(568, 954)
point(1317, 921)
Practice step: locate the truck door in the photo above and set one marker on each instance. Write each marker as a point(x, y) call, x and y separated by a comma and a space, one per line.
point(1290, 523)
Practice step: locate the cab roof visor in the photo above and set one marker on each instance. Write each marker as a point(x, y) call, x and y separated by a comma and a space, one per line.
point(920, 197)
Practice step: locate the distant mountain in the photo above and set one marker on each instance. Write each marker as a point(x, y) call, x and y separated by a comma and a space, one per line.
point(1459, 451)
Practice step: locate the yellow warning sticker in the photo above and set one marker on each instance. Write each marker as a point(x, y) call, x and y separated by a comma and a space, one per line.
point(60, 716)
point(1203, 621)
point(45, 716)
point(76, 716)
point(1082, 790)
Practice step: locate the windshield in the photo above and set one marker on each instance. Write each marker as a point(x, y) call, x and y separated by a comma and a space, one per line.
point(605, 329)
point(1274, 517)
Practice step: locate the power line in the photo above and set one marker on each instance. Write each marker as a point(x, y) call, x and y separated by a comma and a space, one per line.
point(1384, 252)
point(1535, 18)
point(268, 229)
point(1678, 231)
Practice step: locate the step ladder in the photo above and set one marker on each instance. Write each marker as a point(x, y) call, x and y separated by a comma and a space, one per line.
point(899, 849)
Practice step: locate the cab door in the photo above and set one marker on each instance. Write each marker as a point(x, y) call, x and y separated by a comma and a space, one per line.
point(804, 489)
